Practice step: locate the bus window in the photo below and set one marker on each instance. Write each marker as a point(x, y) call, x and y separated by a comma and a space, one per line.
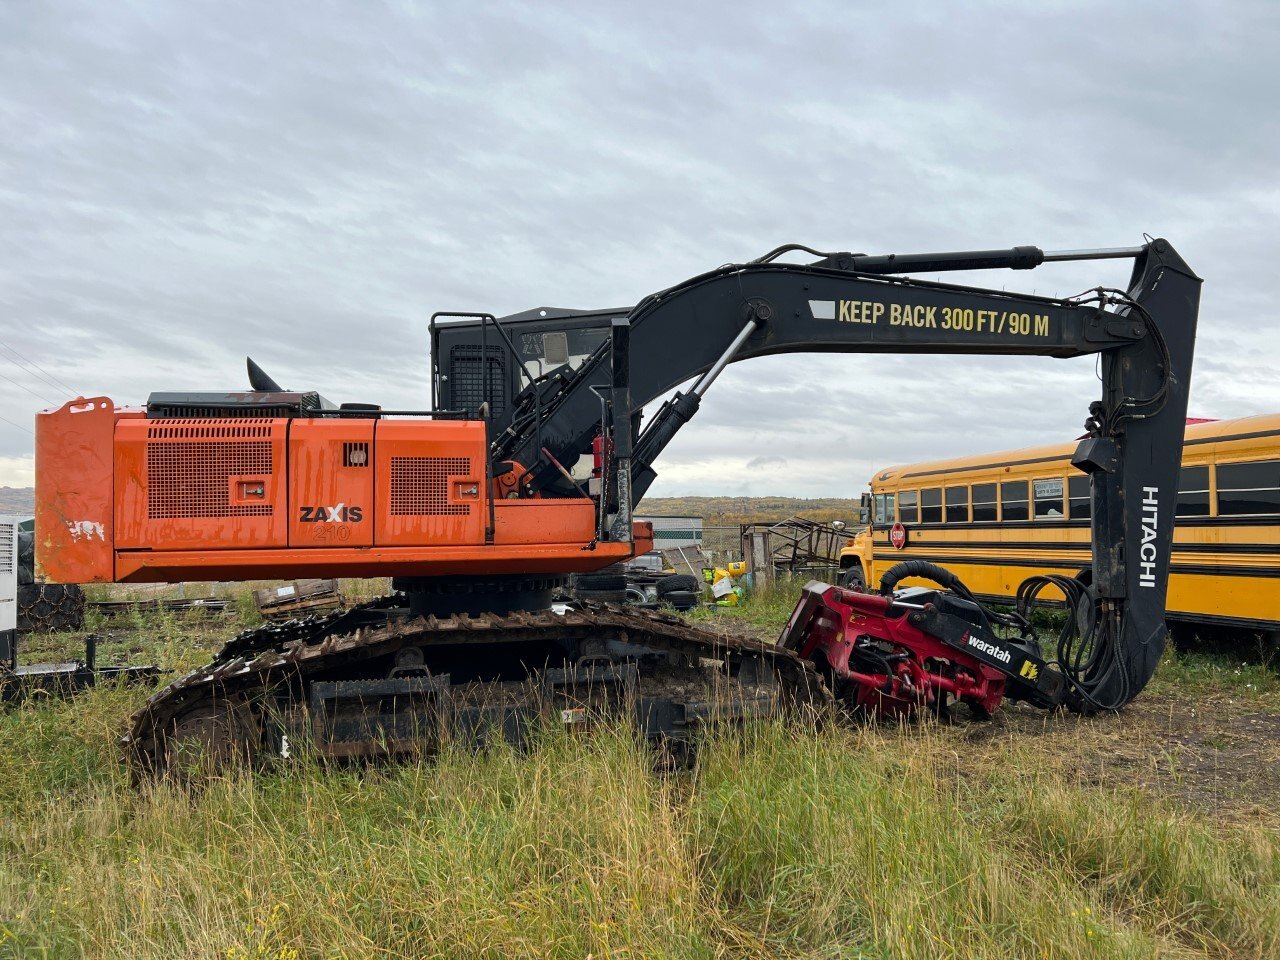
point(1048, 495)
point(1013, 500)
point(931, 505)
point(1193, 493)
point(984, 502)
point(884, 508)
point(957, 504)
point(1245, 488)
point(1078, 500)
point(908, 506)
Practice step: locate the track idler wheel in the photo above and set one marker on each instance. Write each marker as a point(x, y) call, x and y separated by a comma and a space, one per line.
point(209, 739)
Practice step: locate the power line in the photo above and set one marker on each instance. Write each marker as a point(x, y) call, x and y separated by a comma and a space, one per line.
point(38, 379)
point(50, 379)
point(18, 425)
point(30, 391)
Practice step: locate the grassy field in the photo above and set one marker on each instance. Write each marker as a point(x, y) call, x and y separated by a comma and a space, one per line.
point(730, 511)
point(1153, 833)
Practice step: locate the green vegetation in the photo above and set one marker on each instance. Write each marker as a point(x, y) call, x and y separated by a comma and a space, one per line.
point(787, 839)
point(728, 511)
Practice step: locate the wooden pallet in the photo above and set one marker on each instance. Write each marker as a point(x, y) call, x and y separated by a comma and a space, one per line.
point(298, 598)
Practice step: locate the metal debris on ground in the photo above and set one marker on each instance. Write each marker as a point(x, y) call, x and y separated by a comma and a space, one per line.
point(795, 545)
point(210, 605)
point(64, 678)
point(297, 598)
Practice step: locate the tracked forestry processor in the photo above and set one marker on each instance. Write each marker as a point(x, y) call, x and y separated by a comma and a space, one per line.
point(526, 470)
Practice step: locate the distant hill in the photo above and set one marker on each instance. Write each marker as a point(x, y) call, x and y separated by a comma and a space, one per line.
point(726, 511)
point(714, 511)
point(19, 501)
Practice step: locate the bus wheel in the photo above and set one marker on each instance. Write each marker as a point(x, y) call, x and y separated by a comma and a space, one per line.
point(852, 579)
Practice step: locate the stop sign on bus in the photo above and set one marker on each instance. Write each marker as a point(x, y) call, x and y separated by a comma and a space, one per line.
point(898, 536)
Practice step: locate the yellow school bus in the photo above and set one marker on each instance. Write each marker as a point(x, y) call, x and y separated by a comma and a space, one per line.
point(999, 518)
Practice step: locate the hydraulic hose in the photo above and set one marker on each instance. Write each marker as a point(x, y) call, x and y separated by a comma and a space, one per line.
point(948, 581)
point(1088, 651)
point(926, 570)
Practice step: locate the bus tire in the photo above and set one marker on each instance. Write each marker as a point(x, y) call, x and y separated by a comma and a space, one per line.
point(851, 578)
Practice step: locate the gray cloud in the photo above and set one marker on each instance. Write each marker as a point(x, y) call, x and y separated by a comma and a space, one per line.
point(183, 184)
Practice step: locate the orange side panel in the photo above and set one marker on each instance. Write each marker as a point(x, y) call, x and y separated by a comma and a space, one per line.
point(215, 484)
point(429, 480)
point(73, 492)
point(331, 483)
point(146, 566)
point(543, 521)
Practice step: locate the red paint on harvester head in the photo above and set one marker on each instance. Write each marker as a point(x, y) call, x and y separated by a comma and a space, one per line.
point(881, 663)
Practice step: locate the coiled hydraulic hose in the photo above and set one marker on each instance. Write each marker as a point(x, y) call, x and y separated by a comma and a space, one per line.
point(948, 581)
point(925, 570)
point(1088, 651)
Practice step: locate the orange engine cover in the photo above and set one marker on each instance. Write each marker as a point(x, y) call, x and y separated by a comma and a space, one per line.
point(201, 484)
point(331, 483)
point(233, 484)
point(121, 497)
point(431, 482)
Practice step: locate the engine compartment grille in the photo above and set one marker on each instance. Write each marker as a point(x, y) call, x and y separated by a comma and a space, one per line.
point(200, 430)
point(420, 486)
point(191, 478)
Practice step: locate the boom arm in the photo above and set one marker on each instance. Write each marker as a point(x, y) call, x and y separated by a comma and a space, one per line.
point(847, 303)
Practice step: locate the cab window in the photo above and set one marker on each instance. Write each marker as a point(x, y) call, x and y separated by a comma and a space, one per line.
point(931, 505)
point(884, 508)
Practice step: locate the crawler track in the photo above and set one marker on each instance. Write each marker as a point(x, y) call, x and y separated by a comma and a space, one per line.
point(376, 681)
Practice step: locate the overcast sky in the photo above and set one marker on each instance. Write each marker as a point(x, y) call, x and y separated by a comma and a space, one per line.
point(183, 183)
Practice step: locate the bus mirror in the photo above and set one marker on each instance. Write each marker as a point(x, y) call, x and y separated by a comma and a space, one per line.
point(837, 525)
point(864, 515)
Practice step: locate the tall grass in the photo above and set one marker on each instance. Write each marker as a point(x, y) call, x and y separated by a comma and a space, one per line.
point(785, 841)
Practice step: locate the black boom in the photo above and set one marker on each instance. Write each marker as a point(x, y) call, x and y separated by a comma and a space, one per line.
point(551, 383)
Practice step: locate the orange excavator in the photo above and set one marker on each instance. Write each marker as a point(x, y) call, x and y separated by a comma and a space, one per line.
point(526, 470)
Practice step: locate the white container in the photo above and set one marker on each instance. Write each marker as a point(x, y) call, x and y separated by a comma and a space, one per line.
point(670, 532)
point(8, 574)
